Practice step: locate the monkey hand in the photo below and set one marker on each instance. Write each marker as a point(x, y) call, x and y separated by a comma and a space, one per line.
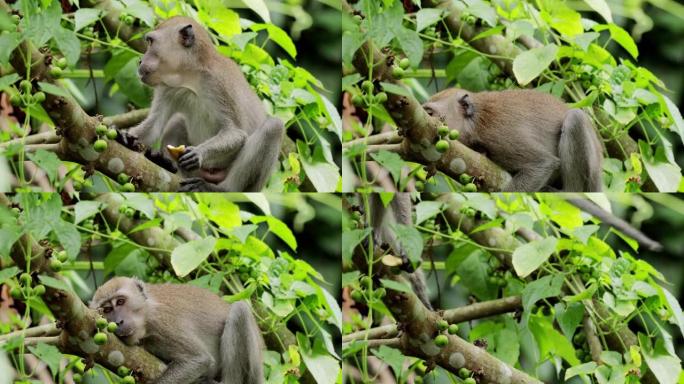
point(129, 141)
point(158, 158)
point(190, 159)
point(197, 184)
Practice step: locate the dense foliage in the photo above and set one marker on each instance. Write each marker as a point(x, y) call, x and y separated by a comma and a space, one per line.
point(394, 50)
point(542, 286)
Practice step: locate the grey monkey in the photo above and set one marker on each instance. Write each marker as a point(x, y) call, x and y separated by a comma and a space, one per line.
point(203, 101)
point(531, 134)
point(199, 336)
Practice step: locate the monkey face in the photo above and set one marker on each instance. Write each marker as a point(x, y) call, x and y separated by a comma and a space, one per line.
point(170, 53)
point(123, 301)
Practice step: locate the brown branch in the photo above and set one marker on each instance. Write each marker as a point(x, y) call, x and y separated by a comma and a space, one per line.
point(592, 339)
point(47, 137)
point(127, 119)
point(49, 329)
point(389, 137)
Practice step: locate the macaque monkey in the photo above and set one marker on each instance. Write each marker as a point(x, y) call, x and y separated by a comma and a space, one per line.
point(398, 211)
point(199, 336)
point(531, 134)
point(203, 101)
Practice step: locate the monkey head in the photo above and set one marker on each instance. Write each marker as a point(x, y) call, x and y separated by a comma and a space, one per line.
point(454, 107)
point(174, 49)
point(122, 300)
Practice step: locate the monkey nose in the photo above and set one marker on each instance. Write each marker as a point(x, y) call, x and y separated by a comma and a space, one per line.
point(120, 322)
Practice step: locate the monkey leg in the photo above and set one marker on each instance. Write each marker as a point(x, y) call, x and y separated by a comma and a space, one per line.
point(534, 176)
point(241, 343)
point(580, 153)
point(257, 159)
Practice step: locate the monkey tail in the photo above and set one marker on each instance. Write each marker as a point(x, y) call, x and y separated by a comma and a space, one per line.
point(581, 154)
point(241, 345)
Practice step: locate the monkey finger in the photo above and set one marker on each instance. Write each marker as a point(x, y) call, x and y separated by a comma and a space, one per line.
point(194, 184)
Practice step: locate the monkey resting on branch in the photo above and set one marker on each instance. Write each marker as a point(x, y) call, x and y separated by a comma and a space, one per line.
point(204, 113)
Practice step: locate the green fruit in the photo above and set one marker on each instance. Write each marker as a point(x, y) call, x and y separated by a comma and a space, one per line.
point(441, 341)
point(443, 130)
point(122, 371)
point(367, 86)
point(16, 19)
point(111, 327)
point(101, 129)
point(357, 19)
point(469, 380)
point(15, 292)
point(26, 278)
point(39, 97)
point(128, 187)
point(77, 185)
point(100, 338)
point(464, 373)
point(16, 100)
point(112, 133)
point(130, 212)
point(420, 186)
point(122, 178)
point(79, 366)
point(381, 97)
point(465, 178)
point(442, 146)
point(380, 292)
point(100, 145)
point(128, 380)
point(442, 325)
point(397, 72)
point(454, 134)
point(357, 100)
point(56, 265)
point(55, 72)
point(62, 256)
point(101, 323)
point(471, 19)
point(129, 19)
point(453, 329)
point(470, 187)
point(26, 86)
point(404, 63)
point(39, 289)
point(77, 377)
point(357, 296)
point(61, 62)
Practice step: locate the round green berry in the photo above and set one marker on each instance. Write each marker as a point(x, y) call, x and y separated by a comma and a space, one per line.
point(111, 327)
point(39, 97)
point(453, 329)
point(357, 100)
point(470, 187)
point(128, 380)
point(100, 145)
point(61, 62)
point(420, 186)
point(39, 289)
point(454, 134)
point(129, 20)
point(469, 380)
point(357, 296)
point(79, 366)
point(55, 72)
point(26, 86)
point(62, 256)
point(397, 72)
point(465, 178)
point(443, 130)
point(442, 146)
point(122, 371)
point(100, 338)
point(464, 373)
point(380, 292)
point(16, 293)
point(404, 63)
point(367, 86)
point(77, 377)
point(112, 133)
point(77, 185)
point(122, 178)
point(101, 129)
point(381, 97)
point(442, 325)
point(128, 187)
point(15, 100)
point(56, 265)
point(101, 323)
point(441, 341)
point(26, 278)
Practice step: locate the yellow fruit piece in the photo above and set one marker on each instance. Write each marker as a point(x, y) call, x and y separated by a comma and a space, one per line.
point(176, 152)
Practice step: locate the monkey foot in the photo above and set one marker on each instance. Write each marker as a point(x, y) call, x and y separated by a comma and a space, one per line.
point(197, 184)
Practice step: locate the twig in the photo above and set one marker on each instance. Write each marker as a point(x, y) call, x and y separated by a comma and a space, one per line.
point(49, 329)
point(46, 137)
point(374, 343)
point(592, 339)
point(389, 137)
point(127, 119)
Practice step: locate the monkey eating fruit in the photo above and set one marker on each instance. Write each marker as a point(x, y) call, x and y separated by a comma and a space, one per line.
point(531, 134)
point(203, 102)
point(200, 337)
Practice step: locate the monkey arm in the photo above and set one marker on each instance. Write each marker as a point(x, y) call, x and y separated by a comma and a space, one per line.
point(216, 152)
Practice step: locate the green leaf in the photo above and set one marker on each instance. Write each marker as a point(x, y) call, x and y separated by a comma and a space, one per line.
point(140, 10)
point(8, 273)
point(324, 368)
point(678, 126)
point(219, 209)
point(393, 357)
point(390, 161)
point(474, 271)
point(350, 239)
point(664, 366)
point(69, 237)
point(278, 36)
point(586, 294)
point(47, 161)
point(278, 228)
point(86, 208)
point(547, 286)
point(677, 315)
point(410, 241)
point(259, 7)
point(482, 10)
point(8, 42)
point(411, 44)
point(324, 176)
point(141, 202)
point(602, 8)
point(396, 286)
point(665, 175)
point(242, 295)
point(49, 354)
point(584, 369)
point(85, 16)
point(551, 343)
point(528, 257)
point(348, 278)
point(426, 17)
point(8, 80)
point(242, 231)
point(395, 89)
point(53, 89)
point(68, 44)
point(427, 209)
point(623, 38)
point(530, 64)
point(54, 283)
point(569, 317)
point(188, 256)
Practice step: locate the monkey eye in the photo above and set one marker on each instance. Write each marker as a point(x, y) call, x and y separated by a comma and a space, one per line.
point(120, 302)
point(106, 309)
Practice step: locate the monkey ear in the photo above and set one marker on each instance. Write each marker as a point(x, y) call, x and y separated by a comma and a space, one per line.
point(187, 36)
point(467, 105)
point(141, 287)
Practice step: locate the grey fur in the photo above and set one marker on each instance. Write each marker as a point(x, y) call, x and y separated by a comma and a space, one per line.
point(199, 336)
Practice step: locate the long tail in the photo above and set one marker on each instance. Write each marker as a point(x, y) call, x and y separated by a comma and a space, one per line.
point(580, 153)
point(241, 347)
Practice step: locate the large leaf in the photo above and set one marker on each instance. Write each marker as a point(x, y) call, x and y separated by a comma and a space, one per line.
point(664, 366)
point(278, 228)
point(186, 257)
point(530, 64)
point(350, 239)
point(324, 368)
point(528, 257)
point(547, 286)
